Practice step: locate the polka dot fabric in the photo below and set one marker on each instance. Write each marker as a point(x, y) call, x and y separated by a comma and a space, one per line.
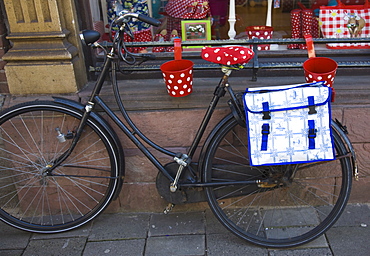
point(227, 55)
point(177, 9)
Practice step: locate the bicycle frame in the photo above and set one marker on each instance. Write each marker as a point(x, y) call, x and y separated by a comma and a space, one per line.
point(134, 133)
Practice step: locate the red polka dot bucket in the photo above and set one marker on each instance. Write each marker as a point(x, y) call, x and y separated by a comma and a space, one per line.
point(178, 74)
point(260, 32)
point(319, 68)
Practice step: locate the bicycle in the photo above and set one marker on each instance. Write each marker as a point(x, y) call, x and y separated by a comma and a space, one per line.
point(62, 163)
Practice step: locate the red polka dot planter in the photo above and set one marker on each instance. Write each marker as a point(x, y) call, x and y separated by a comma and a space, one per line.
point(178, 77)
point(260, 32)
point(321, 69)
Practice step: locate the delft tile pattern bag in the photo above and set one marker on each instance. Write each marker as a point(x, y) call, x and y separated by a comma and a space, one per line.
point(289, 124)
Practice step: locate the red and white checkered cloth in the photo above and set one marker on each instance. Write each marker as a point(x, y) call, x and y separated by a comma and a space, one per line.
point(333, 23)
point(177, 8)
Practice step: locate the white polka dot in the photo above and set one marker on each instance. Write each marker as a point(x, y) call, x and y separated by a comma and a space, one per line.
point(319, 78)
point(242, 52)
point(309, 75)
point(329, 76)
point(175, 88)
point(182, 92)
point(185, 86)
point(179, 81)
point(190, 71)
point(206, 55)
point(216, 51)
point(228, 63)
point(169, 81)
point(189, 90)
point(218, 58)
point(173, 93)
point(257, 33)
point(182, 75)
point(172, 76)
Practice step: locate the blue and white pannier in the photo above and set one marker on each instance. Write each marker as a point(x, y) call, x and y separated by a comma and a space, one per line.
point(289, 124)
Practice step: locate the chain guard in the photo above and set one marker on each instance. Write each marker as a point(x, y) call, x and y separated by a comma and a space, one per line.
point(182, 195)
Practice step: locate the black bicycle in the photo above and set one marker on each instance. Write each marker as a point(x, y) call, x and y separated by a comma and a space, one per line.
point(61, 164)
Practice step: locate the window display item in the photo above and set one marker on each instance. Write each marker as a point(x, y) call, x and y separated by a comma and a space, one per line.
point(260, 32)
point(303, 22)
point(141, 30)
point(345, 21)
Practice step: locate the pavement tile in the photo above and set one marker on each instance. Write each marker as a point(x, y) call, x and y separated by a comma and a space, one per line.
point(302, 252)
point(177, 224)
point(354, 215)
point(346, 241)
point(119, 226)
point(83, 231)
point(213, 225)
point(12, 238)
point(11, 252)
point(175, 245)
point(55, 247)
point(228, 244)
point(131, 247)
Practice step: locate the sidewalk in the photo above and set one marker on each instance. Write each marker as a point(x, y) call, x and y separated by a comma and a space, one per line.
point(180, 233)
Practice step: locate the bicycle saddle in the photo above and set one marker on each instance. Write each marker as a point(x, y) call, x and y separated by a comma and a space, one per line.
point(227, 55)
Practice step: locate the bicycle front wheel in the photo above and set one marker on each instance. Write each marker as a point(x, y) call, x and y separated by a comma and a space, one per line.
point(300, 203)
point(32, 136)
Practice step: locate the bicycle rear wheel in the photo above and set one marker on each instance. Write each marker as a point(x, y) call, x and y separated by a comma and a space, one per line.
point(76, 191)
point(305, 201)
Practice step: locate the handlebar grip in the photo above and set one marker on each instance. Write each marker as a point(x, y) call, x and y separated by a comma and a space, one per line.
point(149, 20)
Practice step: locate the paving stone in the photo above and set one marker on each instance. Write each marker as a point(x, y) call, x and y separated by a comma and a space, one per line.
point(120, 226)
point(177, 224)
point(176, 245)
point(55, 247)
point(228, 244)
point(354, 215)
point(286, 232)
point(302, 252)
point(83, 231)
point(12, 238)
point(213, 225)
point(118, 247)
point(346, 241)
point(11, 252)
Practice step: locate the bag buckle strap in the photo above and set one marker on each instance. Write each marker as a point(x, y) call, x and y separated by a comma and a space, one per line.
point(311, 105)
point(312, 131)
point(265, 133)
point(266, 111)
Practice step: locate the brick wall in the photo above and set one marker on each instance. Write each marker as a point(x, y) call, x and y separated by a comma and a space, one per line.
point(4, 46)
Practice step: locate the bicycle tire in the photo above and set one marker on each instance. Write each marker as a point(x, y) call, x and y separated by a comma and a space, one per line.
point(77, 191)
point(285, 215)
